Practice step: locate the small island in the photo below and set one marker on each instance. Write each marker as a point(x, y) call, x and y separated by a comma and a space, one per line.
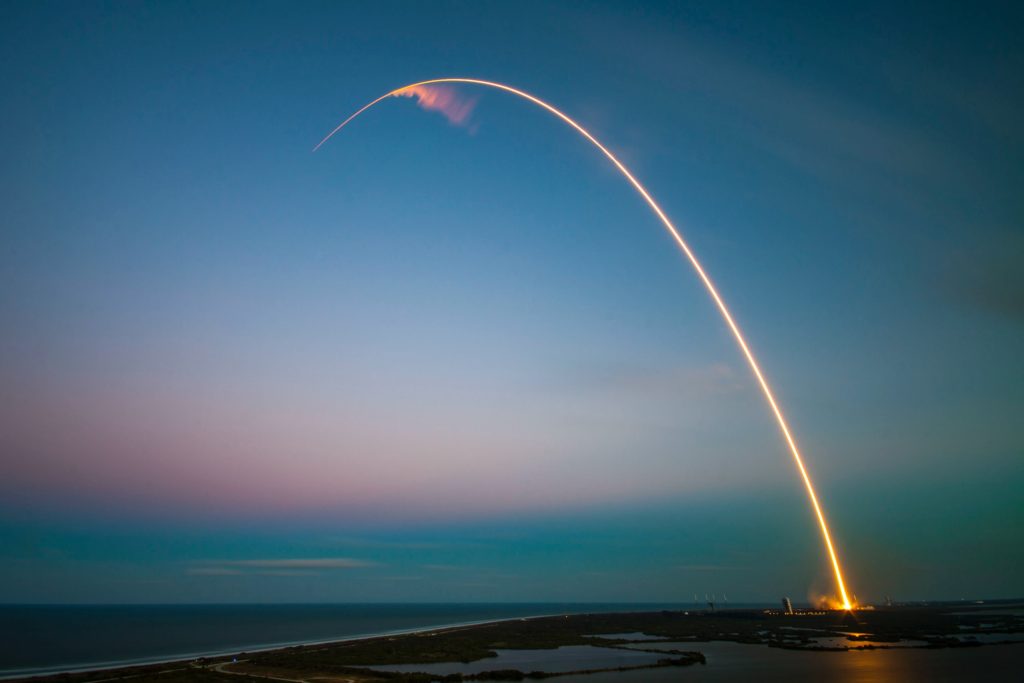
point(588, 643)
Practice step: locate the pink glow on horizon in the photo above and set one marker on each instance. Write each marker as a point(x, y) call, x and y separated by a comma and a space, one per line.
point(190, 455)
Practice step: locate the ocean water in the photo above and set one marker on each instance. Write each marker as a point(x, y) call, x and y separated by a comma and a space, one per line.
point(44, 638)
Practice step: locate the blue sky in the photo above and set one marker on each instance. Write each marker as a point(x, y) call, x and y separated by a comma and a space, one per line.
point(463, 362)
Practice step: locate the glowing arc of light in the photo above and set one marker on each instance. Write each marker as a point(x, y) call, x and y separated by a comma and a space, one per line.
point(708, 284)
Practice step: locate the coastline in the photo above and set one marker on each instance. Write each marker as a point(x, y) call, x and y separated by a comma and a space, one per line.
point(683, 632)
point(188, 658)
point(29, 673)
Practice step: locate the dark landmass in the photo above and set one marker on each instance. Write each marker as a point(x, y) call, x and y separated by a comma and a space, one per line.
point(922, 626)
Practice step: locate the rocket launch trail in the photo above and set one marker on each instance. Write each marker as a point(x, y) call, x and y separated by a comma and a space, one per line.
point(705, 279)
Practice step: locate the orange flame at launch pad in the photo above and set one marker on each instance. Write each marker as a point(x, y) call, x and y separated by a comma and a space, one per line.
point(419, 90)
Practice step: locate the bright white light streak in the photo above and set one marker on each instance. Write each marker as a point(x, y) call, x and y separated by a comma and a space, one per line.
point(708, 284)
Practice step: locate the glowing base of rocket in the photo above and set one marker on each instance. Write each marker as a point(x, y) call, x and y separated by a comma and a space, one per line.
point(422, 91)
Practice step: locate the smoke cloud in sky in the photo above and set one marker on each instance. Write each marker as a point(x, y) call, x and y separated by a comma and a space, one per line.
point(246, 363)
point(445, 99)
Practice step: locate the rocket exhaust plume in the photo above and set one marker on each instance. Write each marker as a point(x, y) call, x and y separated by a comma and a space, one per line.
point(443, 99)
point(429, 100)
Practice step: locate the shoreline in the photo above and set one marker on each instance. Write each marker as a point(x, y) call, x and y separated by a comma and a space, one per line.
point(189, 657)
point(552, 629)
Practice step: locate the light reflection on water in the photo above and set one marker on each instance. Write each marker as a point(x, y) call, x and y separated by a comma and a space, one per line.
point(635, 636)
point(739, 662)
point(727, 661)
point(836, 641)
point(567, 658)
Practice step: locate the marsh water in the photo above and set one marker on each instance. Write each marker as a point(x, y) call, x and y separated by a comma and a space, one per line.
point(49, 638)
point(567, 658)
point(53, 638)
point(727, 661)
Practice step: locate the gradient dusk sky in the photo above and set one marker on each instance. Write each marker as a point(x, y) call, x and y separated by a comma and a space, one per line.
point(452, 355)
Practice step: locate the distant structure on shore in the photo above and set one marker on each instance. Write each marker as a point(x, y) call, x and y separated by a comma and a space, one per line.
point(787, 606)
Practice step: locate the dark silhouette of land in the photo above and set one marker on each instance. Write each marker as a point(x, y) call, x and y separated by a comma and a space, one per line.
point(922, 626)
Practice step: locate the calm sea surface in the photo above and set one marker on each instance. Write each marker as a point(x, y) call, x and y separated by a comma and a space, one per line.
point(39, 639)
